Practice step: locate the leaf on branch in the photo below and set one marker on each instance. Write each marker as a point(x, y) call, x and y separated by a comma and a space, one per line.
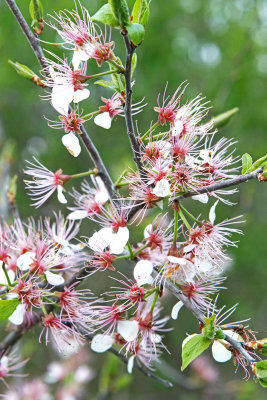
point(118, 79)
point(193, 348)
point(246, 163)
point(7, 307)
point(36, 13)
point(106, 16)
point(261, 372)
point(108, 84)
point(134, 63)
point(136, 33)
point(121, 11)
point(140, 12)
point(209, 329)
point(261, 162)
point(22, 70)
point(223, 119)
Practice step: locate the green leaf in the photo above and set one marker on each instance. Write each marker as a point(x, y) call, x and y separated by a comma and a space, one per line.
point(36, 10)
point(136, 33)
point(193, 348)
point(261, 372)
point(219, 334)
point(246, 162)
point(223, 119)
point(134, 63)
point(107, 84)
point(261, 162)
point(106, 16)
point(140, 12)
point(208, 330)
point(22, 70)
point(7, 307)
point(118, 79)
point(121, 11)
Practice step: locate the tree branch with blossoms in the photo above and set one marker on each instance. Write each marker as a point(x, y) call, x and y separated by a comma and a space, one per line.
point(43, 263)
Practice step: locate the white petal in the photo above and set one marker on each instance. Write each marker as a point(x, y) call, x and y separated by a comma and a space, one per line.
point(130, 364)
point(162, 188)
point(212, 215)
point(25, 261)
point(203, 198)
point(104, 120)
point(78, 56)
point(78, 214)
point(54, 279)
point(60, 195)
point(102, 195)
point(234, 335)
point(71, 142)
point(100, 240)
point(159, 204)
point(128, 330)
point(10, 273)
point(187, 339)
point(204, 266)
point(101, 343)
point(176, 308)
point(178, 127)
point(118, 240)
point(61, 98)
point(176, 260)
point(189, 248)
point(220, 353)
point(147, 230)
point(18, 315)
point(80, 95)
point(142, 271)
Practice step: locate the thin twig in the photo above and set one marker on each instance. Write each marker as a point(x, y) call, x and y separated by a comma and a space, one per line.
point(92, 150)
point(128, 103)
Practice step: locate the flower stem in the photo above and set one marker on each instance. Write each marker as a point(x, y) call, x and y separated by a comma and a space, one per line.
point(110, 72)
point(152, 128)
point(82, 174)
point(90, 114)
point(184, 219)
point(155, 300)
point(6, 274)
point(139, 250)
point(130, 250)
point(189, 214)
point(175, 228)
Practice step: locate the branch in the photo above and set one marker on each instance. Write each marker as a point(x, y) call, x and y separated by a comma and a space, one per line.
point(222, 185)
point(92, 150)
point(128, 104)
point(198, 314)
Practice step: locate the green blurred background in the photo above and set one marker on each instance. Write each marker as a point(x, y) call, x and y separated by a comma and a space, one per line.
point(220, 48)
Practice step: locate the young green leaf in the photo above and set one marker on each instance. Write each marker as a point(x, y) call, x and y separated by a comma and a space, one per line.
point(209, 328)
point(261, 372)
point(106, 16)
point(136, 33)
point(118, 79)
point(22, 70)
point(36, 13)
point(223, 119)
point(140, 12)
point(193, 348)
point(246, 163)
point(261, 162)
point(108, 84)
point(134, 63)
point(121, 11)
point(219, 334)
point(7, 307)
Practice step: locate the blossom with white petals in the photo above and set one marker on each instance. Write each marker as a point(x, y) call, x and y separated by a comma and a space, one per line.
point(128, 330)
point(54, 279)
point(142, 272)
point(101, 343)
point(162, 188)
point(72, 144)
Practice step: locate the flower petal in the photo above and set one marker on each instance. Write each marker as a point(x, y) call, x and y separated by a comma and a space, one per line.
point(128, 330)
point(176, 308)
point(78, 214)
point(61, 97)
point(203, 198)
point(60, 195)
point(162, 188)
point(25, 261)
point(118, 240)
point(17, 316)
point(176, 260)
point(130, 364)
point(104, 120)
point(80, 95)
point(212, 215)
point(54, 279)
point(220, 353)
point(142, 271)
point(78, 56)
point(101, 343)
point(71, 142)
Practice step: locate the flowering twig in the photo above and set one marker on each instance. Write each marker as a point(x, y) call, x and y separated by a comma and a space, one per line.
point(92, 150)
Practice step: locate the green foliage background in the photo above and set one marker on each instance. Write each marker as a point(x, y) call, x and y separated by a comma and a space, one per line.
point(220, 48)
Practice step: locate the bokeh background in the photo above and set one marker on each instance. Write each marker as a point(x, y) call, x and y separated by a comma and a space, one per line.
point(220, 48)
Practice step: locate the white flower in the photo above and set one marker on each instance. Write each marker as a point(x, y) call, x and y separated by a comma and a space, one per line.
point(104, 120)
point(176, 308)
point(63, 94)
point(142, 272)
point(162, 188)
point(25, 261)
point(101, 343)
point(54, 279)
point(212, 215)
point(128, 330)
point(17, 316)
point(72, 144)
